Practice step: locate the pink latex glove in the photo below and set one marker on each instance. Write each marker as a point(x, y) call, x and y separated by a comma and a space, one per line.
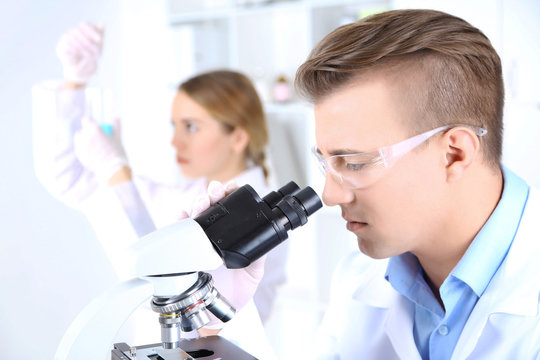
point(78, 50)
point(236, 285)
point(98, 152)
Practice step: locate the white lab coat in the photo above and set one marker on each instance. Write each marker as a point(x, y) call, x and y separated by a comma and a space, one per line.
point(368, 319)
point(121, 214)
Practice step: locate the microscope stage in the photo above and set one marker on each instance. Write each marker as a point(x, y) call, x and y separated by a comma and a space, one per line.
point(204, 348)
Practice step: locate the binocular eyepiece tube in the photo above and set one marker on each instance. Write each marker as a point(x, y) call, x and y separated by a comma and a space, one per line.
point(243, 227)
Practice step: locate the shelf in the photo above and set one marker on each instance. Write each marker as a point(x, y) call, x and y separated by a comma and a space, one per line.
point(288, 108)
point(202, 14)
point(219, 13)
point(263, 41)
point(332, 3)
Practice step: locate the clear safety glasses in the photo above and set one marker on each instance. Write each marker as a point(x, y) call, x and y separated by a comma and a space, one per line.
point(363, 169)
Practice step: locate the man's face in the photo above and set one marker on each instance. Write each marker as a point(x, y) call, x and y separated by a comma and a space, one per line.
point(403, 210)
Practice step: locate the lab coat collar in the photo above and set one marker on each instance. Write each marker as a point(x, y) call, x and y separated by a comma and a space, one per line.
point(375, 291)
point(523, 297)
point(508, 293)
point(486, 253)
point(398, 325)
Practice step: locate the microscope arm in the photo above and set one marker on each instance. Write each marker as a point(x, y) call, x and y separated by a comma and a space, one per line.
point(181, 247)
point(91, 334)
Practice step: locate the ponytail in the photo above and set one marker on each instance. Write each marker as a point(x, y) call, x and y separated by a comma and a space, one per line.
point(258, 158)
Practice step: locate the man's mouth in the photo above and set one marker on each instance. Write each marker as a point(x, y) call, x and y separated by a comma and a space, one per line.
point(355, 226)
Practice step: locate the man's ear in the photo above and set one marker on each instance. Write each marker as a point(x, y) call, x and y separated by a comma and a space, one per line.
point(462, 146)
point(240, 138)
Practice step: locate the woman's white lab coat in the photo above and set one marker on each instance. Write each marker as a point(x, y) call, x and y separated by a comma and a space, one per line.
point(121, 214)
point(368, 319)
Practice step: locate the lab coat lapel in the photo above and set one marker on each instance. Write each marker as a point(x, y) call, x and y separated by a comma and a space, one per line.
point(507, 292)
point(399, 328)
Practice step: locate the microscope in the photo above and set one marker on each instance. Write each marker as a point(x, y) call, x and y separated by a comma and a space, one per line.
point(168, 266)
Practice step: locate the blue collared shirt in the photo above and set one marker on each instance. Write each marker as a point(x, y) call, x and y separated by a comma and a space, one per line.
point(437, 329)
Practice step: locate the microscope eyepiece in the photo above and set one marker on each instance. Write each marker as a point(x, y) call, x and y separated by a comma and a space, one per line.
point(309, 199)
point(243, 227)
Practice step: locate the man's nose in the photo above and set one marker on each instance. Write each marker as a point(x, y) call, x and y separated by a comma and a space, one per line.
point(334, 193)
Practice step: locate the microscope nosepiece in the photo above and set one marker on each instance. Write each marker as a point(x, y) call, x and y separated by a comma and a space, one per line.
point(190, 310)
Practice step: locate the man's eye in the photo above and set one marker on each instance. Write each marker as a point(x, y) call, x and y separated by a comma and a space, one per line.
point(355, 167)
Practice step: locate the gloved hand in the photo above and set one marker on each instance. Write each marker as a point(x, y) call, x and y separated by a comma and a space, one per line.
point(236, 285)
point(100, 153)
point(78, 50)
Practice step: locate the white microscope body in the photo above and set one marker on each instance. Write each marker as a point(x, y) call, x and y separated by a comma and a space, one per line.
point(92, 333)
point(168, 263)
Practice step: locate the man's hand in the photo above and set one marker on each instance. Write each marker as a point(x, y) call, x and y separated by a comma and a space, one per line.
point(78, 50)
point(98, 152)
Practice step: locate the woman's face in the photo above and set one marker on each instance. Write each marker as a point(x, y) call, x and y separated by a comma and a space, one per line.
point(203, 147)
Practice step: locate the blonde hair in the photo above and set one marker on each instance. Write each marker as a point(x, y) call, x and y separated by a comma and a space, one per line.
point(230, 98)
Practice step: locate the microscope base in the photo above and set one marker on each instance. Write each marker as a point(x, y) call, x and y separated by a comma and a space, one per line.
point(209, 347)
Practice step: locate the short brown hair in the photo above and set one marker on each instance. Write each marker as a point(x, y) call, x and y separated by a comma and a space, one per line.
point(230, 98)
point(456, 73)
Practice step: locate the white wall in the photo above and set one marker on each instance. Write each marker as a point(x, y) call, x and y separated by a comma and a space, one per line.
point(521, 59)
point(148, 83)
point(50, 263)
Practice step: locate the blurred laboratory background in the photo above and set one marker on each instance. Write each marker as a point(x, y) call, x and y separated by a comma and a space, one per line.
point(51, 264)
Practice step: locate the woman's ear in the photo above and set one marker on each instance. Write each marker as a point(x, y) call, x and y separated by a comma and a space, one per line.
point(462, 147)
point(240, 138)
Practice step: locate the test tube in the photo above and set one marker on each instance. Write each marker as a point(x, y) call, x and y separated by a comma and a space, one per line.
point(99, 105)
